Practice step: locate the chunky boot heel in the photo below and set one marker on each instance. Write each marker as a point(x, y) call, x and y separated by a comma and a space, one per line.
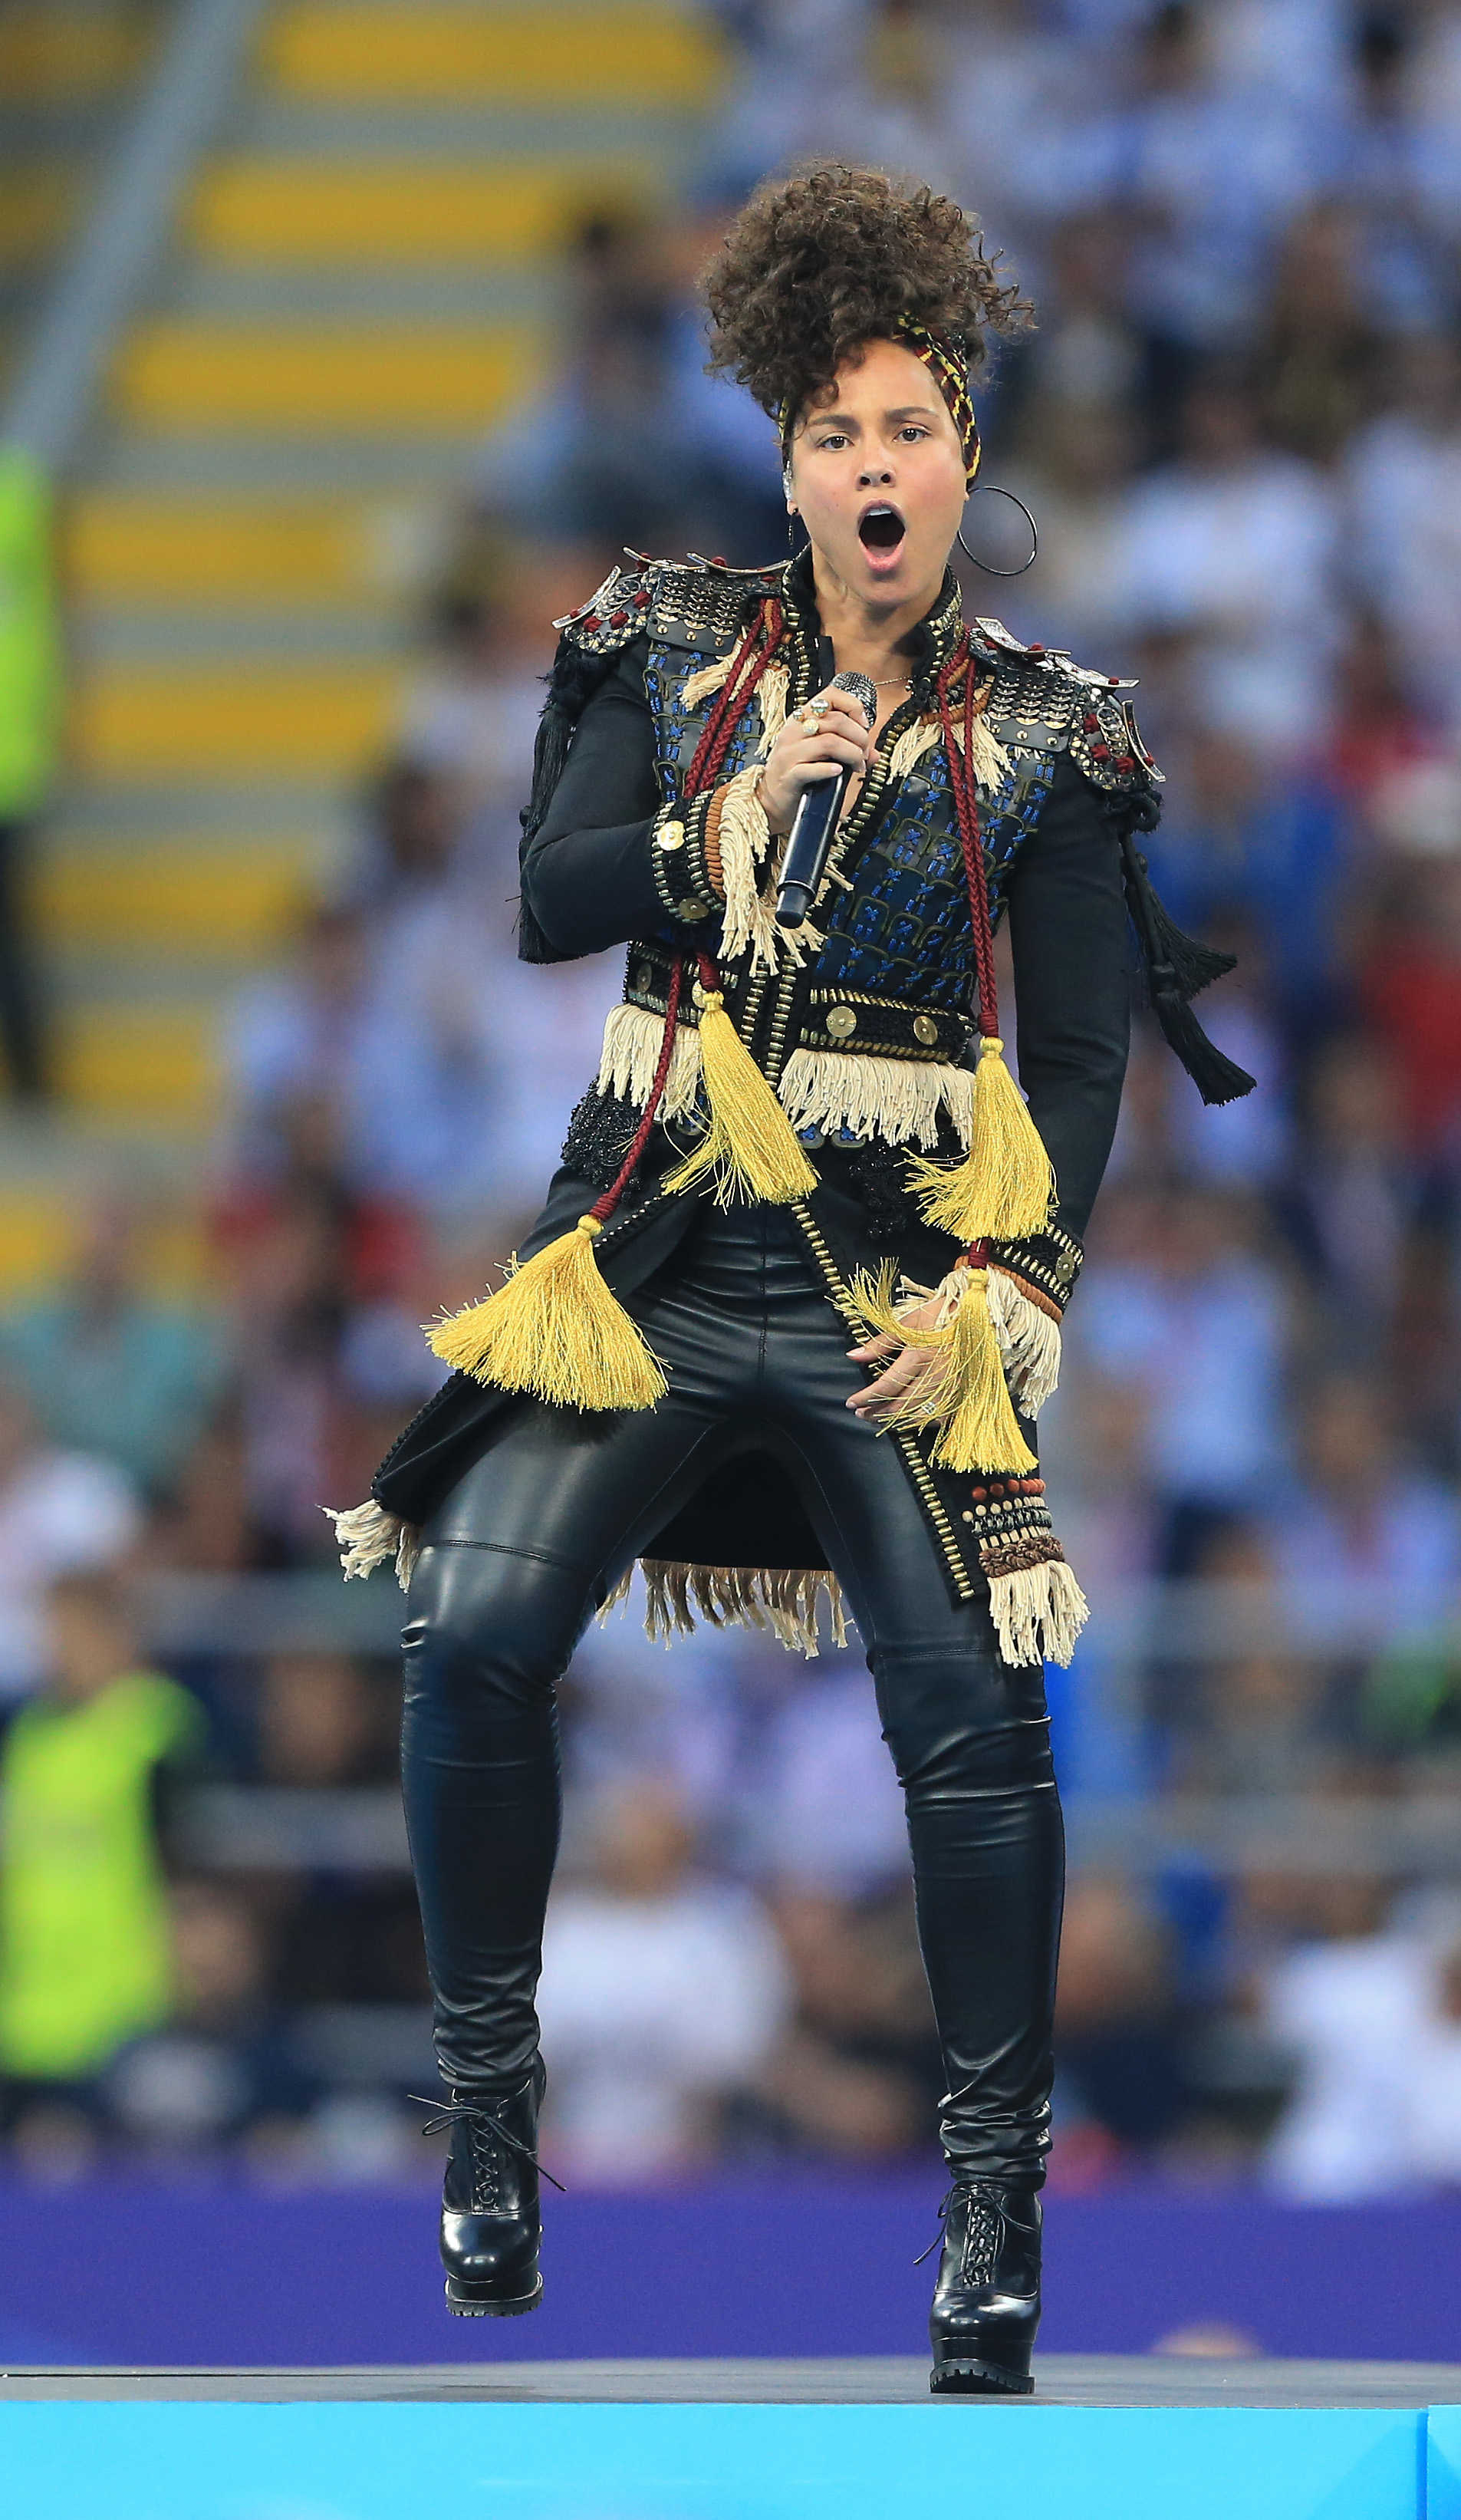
point(491, 2226)
point(985, 2306)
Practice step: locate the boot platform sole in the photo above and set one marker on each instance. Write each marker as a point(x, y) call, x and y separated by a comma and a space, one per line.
point(464, 2303)
point(977, 2380)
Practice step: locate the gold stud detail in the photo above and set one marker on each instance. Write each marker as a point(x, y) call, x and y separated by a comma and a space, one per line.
point(671, 835)
point(925, 1030)
point(841, 1021)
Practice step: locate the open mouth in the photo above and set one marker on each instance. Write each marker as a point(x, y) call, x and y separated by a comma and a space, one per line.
point(881, 529)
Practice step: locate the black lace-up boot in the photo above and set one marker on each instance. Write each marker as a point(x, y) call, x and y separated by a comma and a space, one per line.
point(985, 2306)
point(489, 2223)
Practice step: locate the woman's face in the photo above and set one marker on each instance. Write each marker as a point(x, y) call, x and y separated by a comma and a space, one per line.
point(877, 475)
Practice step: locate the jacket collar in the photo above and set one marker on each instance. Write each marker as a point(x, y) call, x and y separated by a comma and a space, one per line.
point(931, 640)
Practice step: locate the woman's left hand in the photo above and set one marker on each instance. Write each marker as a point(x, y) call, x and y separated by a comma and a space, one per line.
point(909, 1370)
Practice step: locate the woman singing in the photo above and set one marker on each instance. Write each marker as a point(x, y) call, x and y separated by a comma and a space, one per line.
point(783, 1325)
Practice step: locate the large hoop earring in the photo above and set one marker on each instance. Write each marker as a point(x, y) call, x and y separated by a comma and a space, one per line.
point(993, 489)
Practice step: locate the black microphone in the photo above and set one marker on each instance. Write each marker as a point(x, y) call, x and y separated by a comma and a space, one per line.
point(816, 820)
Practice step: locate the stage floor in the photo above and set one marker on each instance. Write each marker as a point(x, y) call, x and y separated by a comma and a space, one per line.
point(1061, 2380)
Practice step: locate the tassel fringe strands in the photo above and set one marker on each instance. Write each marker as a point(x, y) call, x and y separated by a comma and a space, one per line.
point(1039, 1612)
point(1029, 1338)
point(750, 1150)
point(966, 1398)
point(368, 1537)
point(633, 1040)
point(897, 1099)
point(1004, 1186)
point(557, 1328)
point(788, 1602)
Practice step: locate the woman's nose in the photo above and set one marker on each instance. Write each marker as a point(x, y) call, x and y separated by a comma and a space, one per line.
point(875, 470)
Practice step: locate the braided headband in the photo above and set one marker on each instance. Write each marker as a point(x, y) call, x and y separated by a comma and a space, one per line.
point(950, 370)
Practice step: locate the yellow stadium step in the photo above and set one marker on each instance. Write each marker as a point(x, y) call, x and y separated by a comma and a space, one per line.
point(239, 720)
point(38, 206)
point(422, 379)
point(57, 56)
point(643, 58)
point(407, 210)
point(130, 547)
point(211, 899)
point(41, 1227)
point(149, 1064)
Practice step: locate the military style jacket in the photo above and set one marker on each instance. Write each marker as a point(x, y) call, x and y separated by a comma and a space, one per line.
point(866, 1034)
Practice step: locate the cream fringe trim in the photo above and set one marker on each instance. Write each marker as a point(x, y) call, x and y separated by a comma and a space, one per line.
point(1029, 1342)
point(633, 1038)
point(1039, 1612)
point(710, 679)
point(787, 1601)
point(912, 745)
point(745, 845)
point(897, 1099)
point(368, 1536)
point(749, 867)
point(989, 758)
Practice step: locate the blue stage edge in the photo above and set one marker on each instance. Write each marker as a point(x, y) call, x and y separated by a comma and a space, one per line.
point(68, 2461)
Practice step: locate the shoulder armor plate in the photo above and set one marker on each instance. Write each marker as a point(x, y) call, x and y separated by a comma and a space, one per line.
point(616, 613)
point(692, 603)
point(1042, 700)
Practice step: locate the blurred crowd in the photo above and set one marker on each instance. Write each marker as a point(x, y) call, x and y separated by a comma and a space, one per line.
point(1238, 421)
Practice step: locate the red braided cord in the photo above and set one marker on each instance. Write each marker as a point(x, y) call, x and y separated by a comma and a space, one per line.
point(735, 698)
point(966, 814)
point(604, 1207)
point(704, 770)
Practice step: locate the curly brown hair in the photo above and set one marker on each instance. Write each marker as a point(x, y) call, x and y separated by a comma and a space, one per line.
point(833, 258)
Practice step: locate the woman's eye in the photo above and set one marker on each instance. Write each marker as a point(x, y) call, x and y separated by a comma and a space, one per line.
point(826, 444)
point(913, 429)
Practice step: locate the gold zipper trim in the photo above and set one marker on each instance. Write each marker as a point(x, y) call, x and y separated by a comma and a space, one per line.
point(918, 1470)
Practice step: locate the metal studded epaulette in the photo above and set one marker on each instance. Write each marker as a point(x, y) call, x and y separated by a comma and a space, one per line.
point(693, 602)
point(1042, 700)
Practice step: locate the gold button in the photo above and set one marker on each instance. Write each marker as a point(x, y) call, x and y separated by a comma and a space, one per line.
point(671, 835)
point(925, 1030)
point(644, 978)
point(841, 1020)
point(689, 908)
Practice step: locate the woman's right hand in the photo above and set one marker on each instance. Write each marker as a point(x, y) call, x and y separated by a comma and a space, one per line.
point(811, 749)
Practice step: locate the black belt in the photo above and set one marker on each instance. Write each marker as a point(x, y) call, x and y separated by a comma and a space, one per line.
point(847, 1020)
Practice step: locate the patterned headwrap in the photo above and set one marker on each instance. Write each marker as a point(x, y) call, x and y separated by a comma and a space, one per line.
point(950, 370)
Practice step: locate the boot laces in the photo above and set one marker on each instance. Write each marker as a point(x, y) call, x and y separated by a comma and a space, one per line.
point(984, 2233)
point(481, 2130)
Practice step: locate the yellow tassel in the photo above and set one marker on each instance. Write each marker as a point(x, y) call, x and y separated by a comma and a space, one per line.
point(969, 1402)
point(750, 1146)
point(556, 1330)
point(1004, 1184)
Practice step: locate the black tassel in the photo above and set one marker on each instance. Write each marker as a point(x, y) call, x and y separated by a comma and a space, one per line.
point(1192, 965)
point(1218, 1078)
point(1176, 967)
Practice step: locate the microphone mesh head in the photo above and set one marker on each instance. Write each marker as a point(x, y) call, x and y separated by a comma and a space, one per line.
point(858, 687)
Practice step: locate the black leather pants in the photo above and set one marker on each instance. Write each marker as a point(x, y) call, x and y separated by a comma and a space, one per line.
point(512, 1568)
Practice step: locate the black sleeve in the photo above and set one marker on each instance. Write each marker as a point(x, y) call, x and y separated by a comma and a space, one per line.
point(587, 872)
point(1073, 991)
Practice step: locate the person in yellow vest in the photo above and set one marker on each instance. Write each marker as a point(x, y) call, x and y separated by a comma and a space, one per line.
point(87, 1768)
point(31, 688)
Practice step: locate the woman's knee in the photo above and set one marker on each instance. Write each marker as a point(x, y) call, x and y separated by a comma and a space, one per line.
point(961, 1723)
point(489, 1625)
